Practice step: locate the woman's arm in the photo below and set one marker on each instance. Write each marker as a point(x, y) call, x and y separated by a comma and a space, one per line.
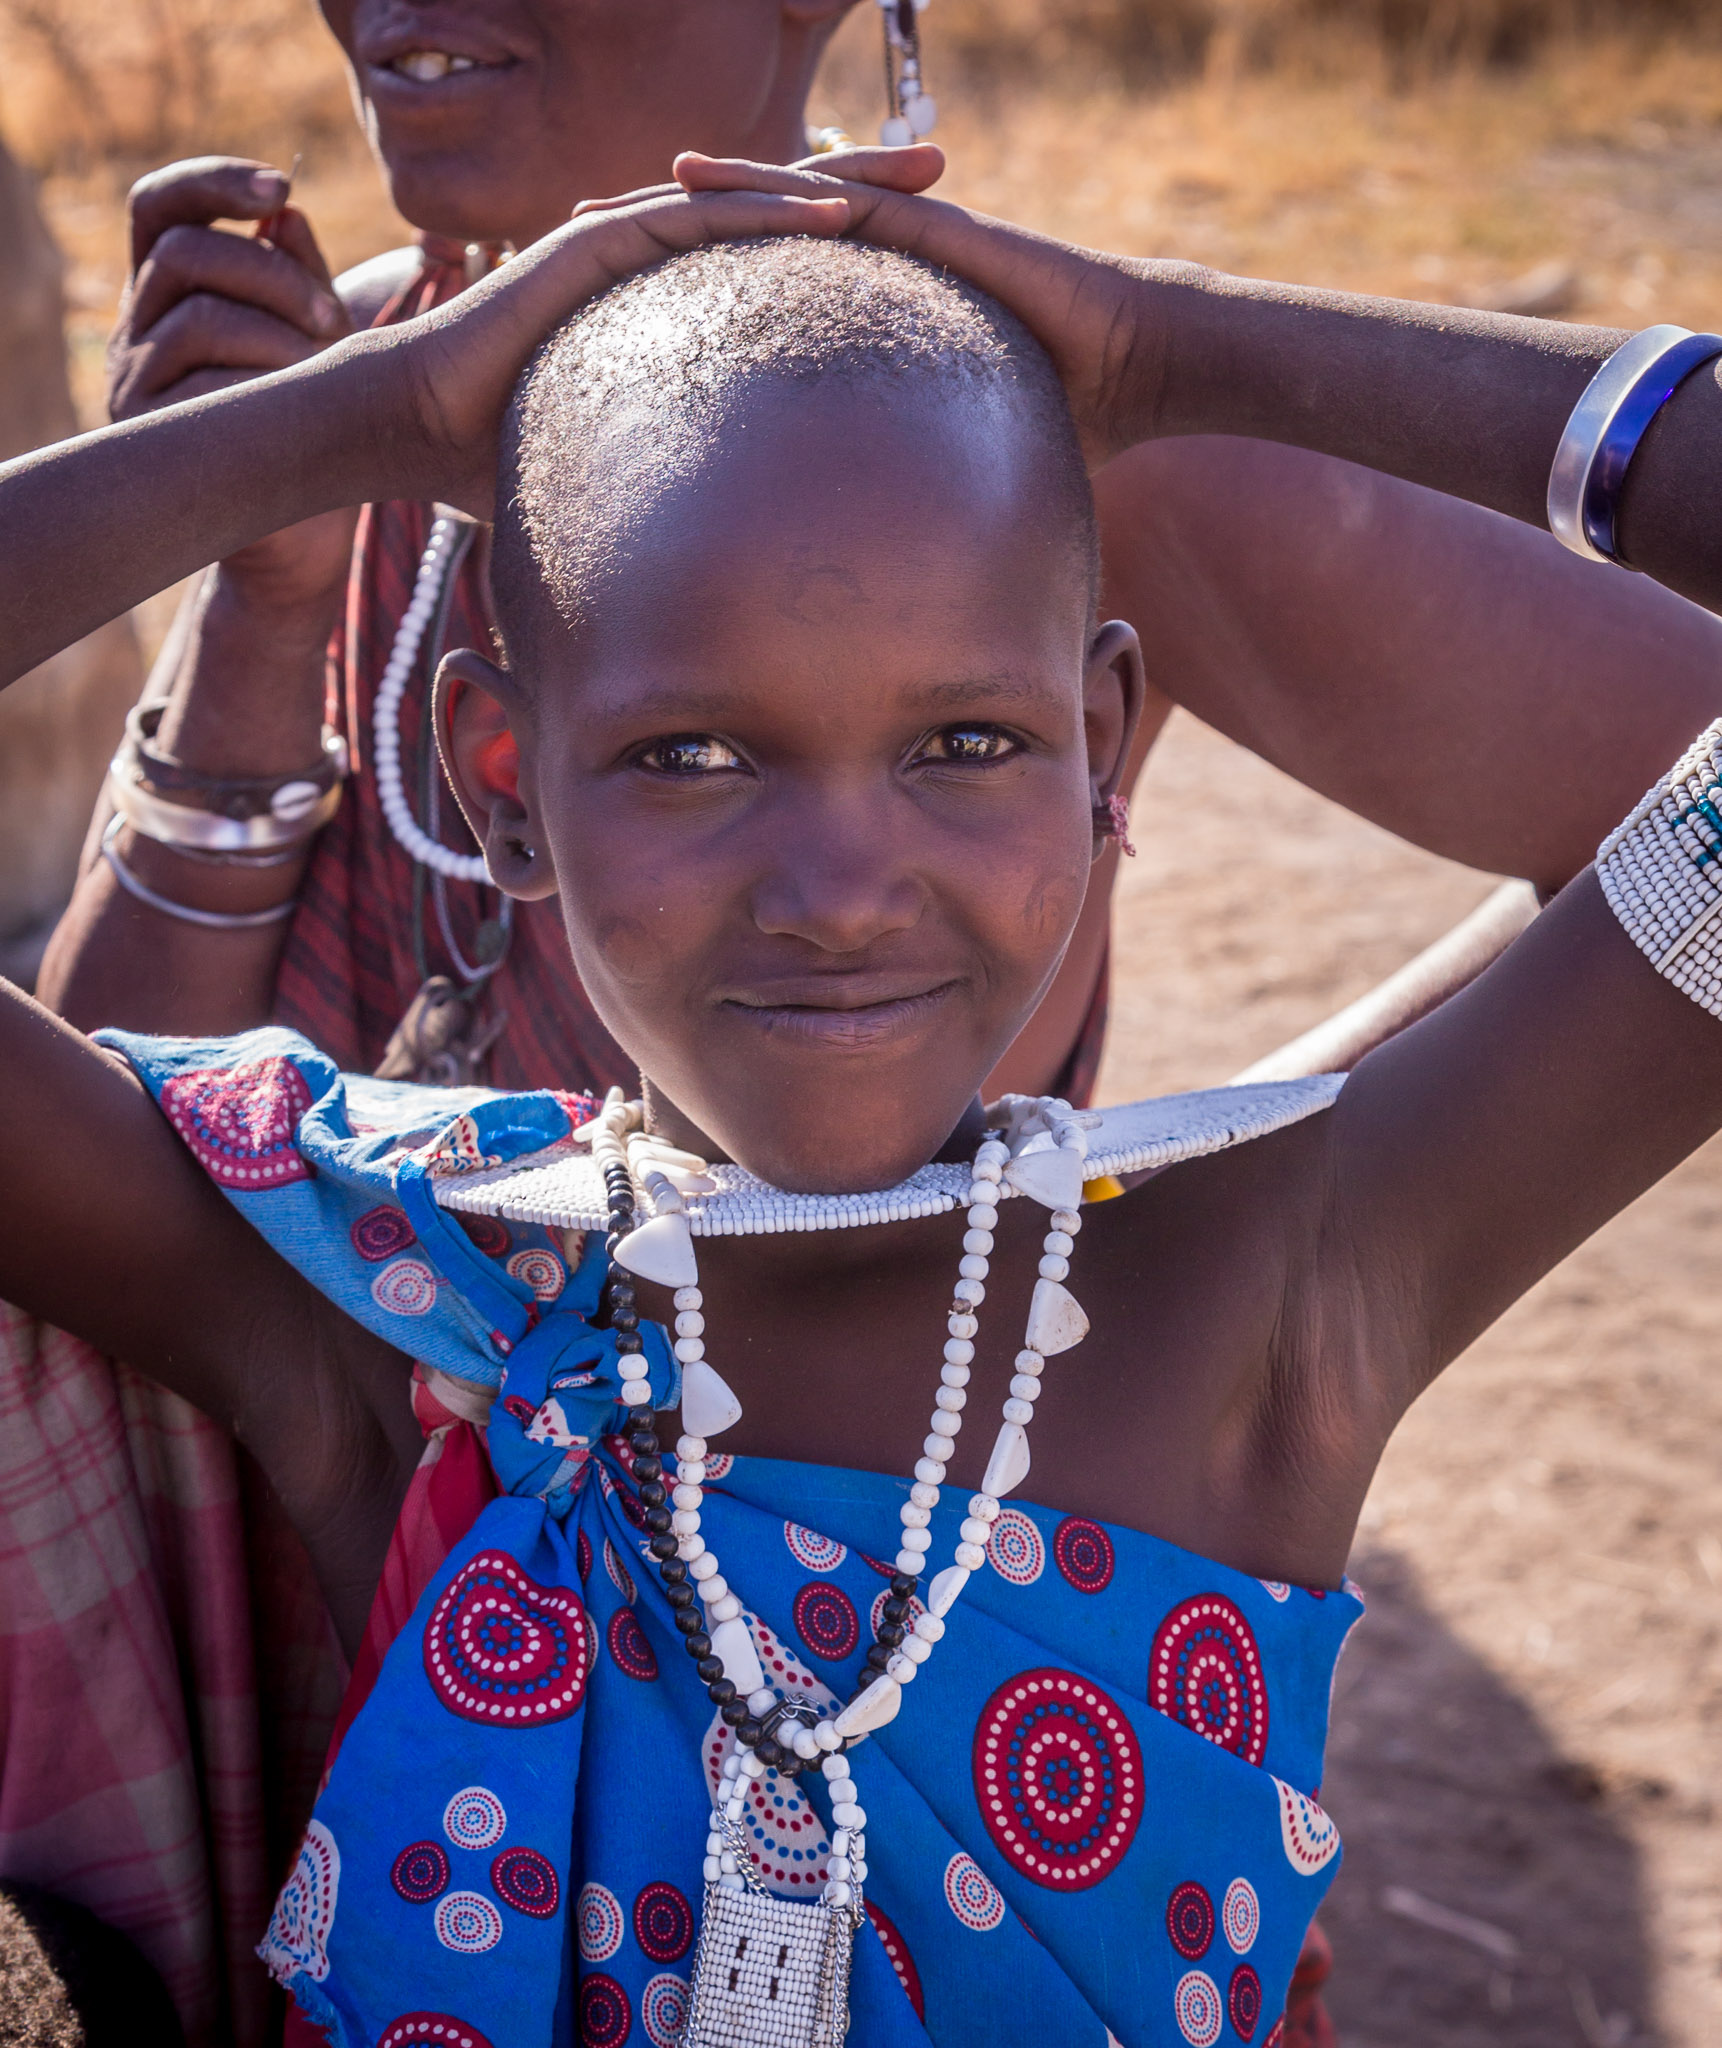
point(242, 675)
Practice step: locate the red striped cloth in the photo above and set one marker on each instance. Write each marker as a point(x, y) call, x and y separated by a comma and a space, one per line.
point(445, 1496)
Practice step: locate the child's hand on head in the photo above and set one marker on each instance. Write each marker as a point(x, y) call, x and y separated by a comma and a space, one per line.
point(1097, 316)
point(451, 371)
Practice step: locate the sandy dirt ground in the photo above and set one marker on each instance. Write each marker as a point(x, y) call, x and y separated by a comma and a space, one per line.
point(1527, 1742)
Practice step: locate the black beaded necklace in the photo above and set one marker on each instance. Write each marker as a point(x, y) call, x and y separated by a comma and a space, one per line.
point(751, 1732)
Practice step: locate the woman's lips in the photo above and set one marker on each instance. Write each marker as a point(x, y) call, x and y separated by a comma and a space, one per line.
point(425, 70)
point(425, 67)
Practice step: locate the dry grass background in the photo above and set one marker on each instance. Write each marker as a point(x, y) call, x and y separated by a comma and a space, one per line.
point(1361, 143)
point(1528, 1733)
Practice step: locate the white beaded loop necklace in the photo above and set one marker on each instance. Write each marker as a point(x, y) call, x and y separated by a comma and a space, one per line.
point(1041, 1153)
point(447, 533)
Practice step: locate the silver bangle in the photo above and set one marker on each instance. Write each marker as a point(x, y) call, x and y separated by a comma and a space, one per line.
point(211, 920)
point(1607, 424)
point(181, 825)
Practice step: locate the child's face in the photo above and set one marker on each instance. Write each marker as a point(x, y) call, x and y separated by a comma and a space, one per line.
point(564, 99)
point(816, 779)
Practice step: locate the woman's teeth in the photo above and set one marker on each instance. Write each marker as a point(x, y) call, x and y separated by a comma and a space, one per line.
point(427, 66)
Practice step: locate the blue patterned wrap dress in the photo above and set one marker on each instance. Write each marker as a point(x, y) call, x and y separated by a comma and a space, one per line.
point(1095, 1820)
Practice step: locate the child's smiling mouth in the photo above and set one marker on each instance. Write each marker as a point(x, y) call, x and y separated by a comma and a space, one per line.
point(856, 1012)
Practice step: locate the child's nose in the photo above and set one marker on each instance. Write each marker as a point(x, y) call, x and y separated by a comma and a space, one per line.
point(836, 895)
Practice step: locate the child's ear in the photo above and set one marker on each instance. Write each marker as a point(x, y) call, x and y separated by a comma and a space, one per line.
point(1113, 688)
point(475, 707)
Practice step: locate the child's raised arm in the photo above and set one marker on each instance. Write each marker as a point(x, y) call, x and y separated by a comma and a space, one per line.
point(108, 1228)
point(1395, 647)
point(1470, 1154)
point(1465, 402)
point(94, 525)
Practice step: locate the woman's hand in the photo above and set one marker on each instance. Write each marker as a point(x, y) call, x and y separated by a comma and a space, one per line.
point(1097, 316)
point(448, 375)
point(204, 308)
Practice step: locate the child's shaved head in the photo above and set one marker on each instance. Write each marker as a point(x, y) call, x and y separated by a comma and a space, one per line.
point(634, 397)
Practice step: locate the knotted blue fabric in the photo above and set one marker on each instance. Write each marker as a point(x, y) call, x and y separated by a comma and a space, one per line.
point(1094, 1821)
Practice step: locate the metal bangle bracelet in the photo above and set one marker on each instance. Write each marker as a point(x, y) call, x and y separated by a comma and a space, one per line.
point(1607, 424)
point(230, 796)
point(180, 825)
point(211, 920)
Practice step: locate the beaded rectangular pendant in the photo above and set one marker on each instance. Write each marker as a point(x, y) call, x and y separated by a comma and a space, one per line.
point(770, 1973)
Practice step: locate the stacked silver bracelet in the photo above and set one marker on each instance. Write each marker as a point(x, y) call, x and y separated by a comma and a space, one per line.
point(1661, 871)
point(232, 821)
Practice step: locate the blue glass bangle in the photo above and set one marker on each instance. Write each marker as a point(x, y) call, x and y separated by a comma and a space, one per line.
point(1606, 426)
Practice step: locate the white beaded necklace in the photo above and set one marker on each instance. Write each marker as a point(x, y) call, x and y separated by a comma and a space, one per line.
point(1041, 1155)
point(773, 1972)
point(445, 537)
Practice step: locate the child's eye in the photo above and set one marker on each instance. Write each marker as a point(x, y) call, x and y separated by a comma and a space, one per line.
point(968, 744)
point(688, 753)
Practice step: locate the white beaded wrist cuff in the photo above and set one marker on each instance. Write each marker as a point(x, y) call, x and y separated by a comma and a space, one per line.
point(1661, 871)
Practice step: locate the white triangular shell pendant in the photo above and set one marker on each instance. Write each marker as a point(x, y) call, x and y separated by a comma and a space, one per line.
point(709, 1407)
point(1055, 1319)
point(661, 1250)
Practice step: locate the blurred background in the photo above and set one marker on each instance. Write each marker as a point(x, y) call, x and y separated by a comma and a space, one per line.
point(1528, 1730)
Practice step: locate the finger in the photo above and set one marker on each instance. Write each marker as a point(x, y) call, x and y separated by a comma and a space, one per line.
point(621, 199)
point(291, 233)
point(586, 257)
point(186, 260)
point(911, 169)
point(202, 190)
point(897, 170)
point(207, 333)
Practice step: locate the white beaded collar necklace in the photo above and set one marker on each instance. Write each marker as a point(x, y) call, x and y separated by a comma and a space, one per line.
point(562, 1187)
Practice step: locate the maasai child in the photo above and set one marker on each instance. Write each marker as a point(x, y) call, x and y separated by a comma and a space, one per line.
point(819, 819)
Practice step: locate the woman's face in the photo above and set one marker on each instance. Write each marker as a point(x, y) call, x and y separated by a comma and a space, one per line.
point(493, 118)
point(815, 779)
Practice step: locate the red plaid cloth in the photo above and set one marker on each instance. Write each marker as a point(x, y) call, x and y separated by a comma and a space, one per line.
point(167, 1674)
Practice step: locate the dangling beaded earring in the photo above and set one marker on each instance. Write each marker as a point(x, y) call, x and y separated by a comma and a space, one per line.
point(911, 110)
point(1112, 821)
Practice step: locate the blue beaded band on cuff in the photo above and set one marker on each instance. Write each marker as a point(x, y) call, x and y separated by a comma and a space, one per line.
point(1606, 427)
